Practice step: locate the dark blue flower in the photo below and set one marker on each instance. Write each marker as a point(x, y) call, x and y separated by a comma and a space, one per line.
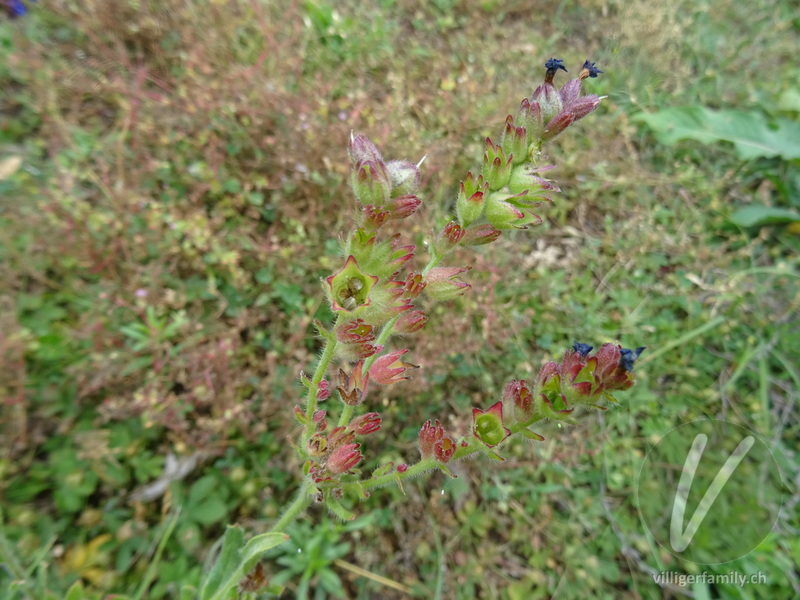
point(582, 349)
point(554, 64)
point(593, 71)
point(628, 357)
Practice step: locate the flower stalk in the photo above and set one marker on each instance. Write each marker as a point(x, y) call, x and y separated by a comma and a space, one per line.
point(377, 296)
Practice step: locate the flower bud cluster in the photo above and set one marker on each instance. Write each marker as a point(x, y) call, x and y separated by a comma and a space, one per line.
point(580, 379)
point(509, 185)
point(374, 294)
point(433, 443)
point(337, 452)
point(375, 285)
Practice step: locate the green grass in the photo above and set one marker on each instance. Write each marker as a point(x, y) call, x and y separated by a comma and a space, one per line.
point(181, 175)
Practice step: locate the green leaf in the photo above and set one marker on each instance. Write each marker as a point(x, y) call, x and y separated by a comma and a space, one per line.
point(226, 563)
point(188, 592)
point(202, 488)
point(330, 581)
point(75, 592)
point(212, 510)
point(757, 215)
point(749, 131)
point(258, 545)
point(234, 561)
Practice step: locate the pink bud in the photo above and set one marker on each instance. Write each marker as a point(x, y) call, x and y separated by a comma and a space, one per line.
point(411, 322)
point(323, 393)
point(403, 206)
point(344, 458)
point(519, 400)
point(444, 450)
point(365, 424)
point(570, 91)
point(374, 217)
point(481, 234)
point(429, 436)
point(389, 369)
point(450, 236)
point(413, 285)
point(444, 284)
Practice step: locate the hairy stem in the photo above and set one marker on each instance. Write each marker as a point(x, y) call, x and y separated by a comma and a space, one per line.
point(319, 374)
point(295, 509)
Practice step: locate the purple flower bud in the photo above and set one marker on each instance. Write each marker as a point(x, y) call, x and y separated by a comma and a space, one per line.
point(570, 91)
point(557, 124)
point(361, 150)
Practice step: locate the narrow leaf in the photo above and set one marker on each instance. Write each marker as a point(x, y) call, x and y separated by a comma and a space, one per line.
point(227, 562)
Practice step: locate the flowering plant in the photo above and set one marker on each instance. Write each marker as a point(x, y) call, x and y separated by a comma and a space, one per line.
point(375, 297)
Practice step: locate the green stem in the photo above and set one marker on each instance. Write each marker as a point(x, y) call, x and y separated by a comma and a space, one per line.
point(319, 374)
point(427, 464)
point(295, 509)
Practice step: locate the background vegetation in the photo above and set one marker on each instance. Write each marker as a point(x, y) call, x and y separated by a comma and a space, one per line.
point(172, 176)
